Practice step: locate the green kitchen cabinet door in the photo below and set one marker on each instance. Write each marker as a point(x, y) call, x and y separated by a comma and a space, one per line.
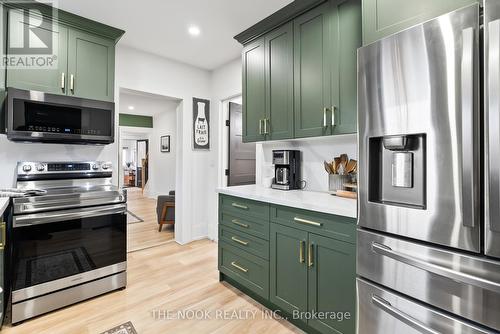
point(91, 66)
point(332, 286)
point(288, 268)
point(50, 79)
point(312, 71)
point(382, 18)
point(254, 91)
point(346, 27)
point(279, 82)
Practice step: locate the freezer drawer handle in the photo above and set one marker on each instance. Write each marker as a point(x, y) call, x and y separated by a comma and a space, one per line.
point(410, 321)
point(436, 269)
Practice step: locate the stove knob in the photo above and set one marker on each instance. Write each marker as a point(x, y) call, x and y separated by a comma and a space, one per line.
point(105, 166)
point(95, 167)
point(26, 168)
point(40, 167)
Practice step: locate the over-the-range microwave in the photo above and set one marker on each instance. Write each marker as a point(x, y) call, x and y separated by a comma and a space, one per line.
point(33, 116)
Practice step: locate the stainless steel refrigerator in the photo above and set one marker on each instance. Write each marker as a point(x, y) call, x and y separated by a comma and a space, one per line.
point(429, 183)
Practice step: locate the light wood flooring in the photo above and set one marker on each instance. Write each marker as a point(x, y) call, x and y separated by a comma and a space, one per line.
point(145, 234)
point(168, 277)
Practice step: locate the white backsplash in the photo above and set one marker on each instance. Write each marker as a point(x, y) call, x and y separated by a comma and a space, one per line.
point(314, 152)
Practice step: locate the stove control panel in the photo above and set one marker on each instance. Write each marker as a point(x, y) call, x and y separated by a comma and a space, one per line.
point(27, 168)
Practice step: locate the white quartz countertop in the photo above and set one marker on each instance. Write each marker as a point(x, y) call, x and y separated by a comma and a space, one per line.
point(4, 203)
point(301, 199)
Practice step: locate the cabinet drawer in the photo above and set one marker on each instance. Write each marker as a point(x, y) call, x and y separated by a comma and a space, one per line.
point(337, 227)
point(245, 241)
point(245, 268)
point(238, 205)
point(254, 226)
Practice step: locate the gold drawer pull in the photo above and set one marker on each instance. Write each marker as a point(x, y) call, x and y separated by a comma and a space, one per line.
point(236, 222)
point(301, 251)
point(245, 270)
point(239, 206)
point(310, 256)
point(3, 227)
point(308, 222)
point(244, 243)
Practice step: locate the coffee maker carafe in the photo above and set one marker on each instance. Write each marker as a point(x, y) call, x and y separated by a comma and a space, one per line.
point(286, 169)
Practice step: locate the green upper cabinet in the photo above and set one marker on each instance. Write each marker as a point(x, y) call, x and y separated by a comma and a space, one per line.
point(312, 66)
point(347, 33)
point(279, 83)
point(254, 91)
point(46, 80)
point(84, 49)
point(385, 17)
point(288, 268)
point(332, 284)
point(91, 66)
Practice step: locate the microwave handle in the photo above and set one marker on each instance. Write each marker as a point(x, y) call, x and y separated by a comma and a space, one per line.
point(52, 217)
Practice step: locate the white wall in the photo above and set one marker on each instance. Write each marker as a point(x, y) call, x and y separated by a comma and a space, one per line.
point(162, 165)
point(196, 170)
point(314, 152)
point(225, 84)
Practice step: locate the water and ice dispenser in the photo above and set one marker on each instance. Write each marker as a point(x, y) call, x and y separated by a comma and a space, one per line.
point(397, 170)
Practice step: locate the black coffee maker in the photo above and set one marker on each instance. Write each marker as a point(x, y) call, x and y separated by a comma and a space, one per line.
point(286, 170)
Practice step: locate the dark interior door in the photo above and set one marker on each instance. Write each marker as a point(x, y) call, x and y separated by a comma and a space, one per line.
point(241, 155)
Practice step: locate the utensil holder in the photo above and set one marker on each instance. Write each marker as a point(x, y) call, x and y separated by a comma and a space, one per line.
point(336, 182)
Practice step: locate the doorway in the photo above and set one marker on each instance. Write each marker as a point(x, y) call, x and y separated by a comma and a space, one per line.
point(241, 156)
point(149, 169)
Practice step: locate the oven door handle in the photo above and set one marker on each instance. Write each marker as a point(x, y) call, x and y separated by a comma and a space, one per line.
point(57, 216)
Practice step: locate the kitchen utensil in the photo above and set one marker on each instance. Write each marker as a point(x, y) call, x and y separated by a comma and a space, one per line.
point(347, 194)
point(351, 166)
point(328, 168)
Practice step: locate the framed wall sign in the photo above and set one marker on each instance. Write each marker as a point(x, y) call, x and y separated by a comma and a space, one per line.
point(165, 143)
point(201, 124)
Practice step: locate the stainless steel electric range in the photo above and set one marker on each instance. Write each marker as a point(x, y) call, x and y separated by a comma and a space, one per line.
point(69, 243)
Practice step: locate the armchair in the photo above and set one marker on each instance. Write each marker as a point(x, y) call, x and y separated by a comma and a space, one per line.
point(165, 209)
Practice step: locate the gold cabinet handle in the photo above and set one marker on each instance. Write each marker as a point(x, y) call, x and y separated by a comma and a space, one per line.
point(239, 206)
point(266, 121)
point(63, 81)
point(260, 127)
point(307, 222)
point(334, 108)
point(3, 227)
point(325, 110)
point(234, 264)
point(236, 222)
point(241, 242)
point(310, 254)
point(72, 83)
point(301, 251)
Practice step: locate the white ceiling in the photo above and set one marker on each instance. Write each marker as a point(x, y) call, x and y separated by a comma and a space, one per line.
point(160, 26)
point(145, 104)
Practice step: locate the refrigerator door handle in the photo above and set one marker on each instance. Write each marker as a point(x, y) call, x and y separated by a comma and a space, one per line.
point(468, 127)
point(436, 269)
point(493, 83)
point(401, 316)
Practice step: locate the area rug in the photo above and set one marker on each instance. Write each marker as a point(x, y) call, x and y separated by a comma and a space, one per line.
point(126, 328)
point(132, 218)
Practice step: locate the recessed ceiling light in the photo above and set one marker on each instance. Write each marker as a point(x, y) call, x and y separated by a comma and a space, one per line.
point(194, 30)
point(131, 108)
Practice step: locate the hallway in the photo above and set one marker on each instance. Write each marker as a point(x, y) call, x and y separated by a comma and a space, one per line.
point(144, 234)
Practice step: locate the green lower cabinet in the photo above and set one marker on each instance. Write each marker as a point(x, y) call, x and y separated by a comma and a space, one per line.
point(91, 66)
point(288, 268)
point(331, 284)
point(382, 18)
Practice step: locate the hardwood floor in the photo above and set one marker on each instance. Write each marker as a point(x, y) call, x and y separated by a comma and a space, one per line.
point(145, 234)
point(165, 278)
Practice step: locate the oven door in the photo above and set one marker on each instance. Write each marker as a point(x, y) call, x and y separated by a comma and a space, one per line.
point(42, 117)
point(59, 249)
